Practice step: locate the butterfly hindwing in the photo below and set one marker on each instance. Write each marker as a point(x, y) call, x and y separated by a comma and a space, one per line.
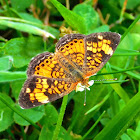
point(38, 90)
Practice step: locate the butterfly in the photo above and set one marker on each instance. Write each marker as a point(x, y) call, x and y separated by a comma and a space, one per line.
point(76, 58)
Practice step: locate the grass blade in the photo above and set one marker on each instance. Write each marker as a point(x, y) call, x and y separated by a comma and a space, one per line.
point(74, 20)
point(60, 118)
point(121, 121)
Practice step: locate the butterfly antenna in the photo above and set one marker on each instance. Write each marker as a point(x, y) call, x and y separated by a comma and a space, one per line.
point(85, 98)
point(106, 79)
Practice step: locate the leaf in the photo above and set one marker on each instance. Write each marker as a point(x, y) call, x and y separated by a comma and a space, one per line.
point(47, 133)
point(49, 121)
point(11, 76)
point(138, 130)
point(127, 44)
point(89, 14)
point(51, 115)
point(23, 49)
point(103, 28)
point(25, 27)
point(5, 63)
point(16, 88)
point(34, 114)
point(6, 114)
point(29, 17)
point(125, 137)
point(136, 40)
point(132, 134)
point(22, 5)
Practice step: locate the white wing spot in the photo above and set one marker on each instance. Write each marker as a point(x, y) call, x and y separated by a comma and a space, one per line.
point(44, 102)
point(100, 37)
point(111, 53)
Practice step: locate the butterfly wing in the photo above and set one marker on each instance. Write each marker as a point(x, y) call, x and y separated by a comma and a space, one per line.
point(99, 47)
point(71, 47)
point(46, 64)
point(38, 90)
point(51, 76)
point(47, 81)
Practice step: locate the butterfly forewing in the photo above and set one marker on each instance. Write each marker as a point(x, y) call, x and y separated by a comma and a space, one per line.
point(46, 64)
point(99, 47)
point(71, 47)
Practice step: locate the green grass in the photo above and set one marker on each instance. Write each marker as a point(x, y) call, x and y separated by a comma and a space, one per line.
point(112, 108)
